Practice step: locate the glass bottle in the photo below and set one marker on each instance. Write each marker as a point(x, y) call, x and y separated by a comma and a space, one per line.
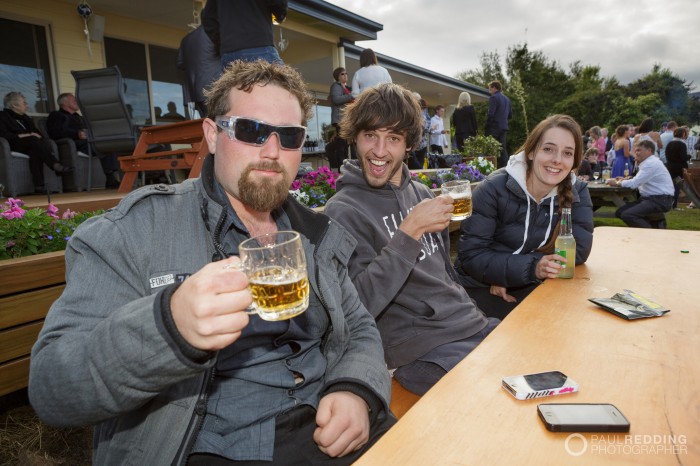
point(565, 244)
point(626, 173)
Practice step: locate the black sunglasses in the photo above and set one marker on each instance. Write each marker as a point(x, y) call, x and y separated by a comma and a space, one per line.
point(256, 132)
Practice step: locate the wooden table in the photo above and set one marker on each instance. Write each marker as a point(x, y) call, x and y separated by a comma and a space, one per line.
point(189, 133)
point(604, 195)
point(648, 368)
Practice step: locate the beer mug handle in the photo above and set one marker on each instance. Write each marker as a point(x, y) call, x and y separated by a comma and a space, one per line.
point(239, 266)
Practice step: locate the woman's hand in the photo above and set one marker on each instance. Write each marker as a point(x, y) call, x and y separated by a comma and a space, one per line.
point(501, 292)
point(549, 266)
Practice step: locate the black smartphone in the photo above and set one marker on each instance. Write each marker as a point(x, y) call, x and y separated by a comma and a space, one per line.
point(582, 417)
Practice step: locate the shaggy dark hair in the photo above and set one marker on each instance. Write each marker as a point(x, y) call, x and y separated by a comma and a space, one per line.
point(389, 106)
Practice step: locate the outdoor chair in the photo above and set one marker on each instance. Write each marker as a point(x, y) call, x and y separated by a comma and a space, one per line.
point(77, 180)
point(16, 176)
point(100, 95)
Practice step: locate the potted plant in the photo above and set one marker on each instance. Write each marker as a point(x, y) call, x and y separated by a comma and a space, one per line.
point(481, 146)
point(35, 231)
point(315, 188)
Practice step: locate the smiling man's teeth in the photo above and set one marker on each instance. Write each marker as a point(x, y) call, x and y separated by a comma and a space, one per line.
point(379, 163)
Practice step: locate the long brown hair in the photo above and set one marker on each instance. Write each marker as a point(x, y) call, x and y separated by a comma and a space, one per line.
point(565, 189)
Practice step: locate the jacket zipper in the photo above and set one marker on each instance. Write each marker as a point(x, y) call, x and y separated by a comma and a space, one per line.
point(200, 411)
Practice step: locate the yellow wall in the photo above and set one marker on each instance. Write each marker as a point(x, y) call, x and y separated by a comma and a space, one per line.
point(70, 51)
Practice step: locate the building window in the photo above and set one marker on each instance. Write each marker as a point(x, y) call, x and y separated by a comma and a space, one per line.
point(24, 64)
point(133, 60)
point(319, 124)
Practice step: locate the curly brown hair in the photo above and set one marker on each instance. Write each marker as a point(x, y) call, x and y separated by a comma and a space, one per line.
point(244, 75)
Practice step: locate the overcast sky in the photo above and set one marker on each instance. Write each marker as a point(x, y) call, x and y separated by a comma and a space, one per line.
point(624, 37)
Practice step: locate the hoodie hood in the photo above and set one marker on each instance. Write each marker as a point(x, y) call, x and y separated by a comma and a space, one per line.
point(517, 169)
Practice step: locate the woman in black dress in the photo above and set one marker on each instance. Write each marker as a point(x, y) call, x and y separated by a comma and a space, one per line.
point(464, 120)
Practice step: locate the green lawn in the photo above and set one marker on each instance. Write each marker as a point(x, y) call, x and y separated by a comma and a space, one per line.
point(685, 219)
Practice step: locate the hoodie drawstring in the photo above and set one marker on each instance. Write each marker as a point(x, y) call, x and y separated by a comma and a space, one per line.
point(527, 225)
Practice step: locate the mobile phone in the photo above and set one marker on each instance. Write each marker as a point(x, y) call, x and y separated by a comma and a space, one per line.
point(582, 417)
point(526, 387)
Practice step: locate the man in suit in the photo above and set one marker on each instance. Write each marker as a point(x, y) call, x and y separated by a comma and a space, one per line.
point(497, 120)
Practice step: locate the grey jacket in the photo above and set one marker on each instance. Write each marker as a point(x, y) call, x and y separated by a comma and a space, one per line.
point(408, 286)
point(498, 243)
point(338, 98)
point(105, 357)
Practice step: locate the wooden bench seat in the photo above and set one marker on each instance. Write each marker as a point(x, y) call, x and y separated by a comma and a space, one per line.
point(401, 399)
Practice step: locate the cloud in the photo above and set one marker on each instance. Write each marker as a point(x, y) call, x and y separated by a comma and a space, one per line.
point(625, 39)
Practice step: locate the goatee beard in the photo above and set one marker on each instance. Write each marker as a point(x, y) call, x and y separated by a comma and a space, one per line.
point(263, 195)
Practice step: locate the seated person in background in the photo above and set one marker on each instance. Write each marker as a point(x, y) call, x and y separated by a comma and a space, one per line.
point(156, 348)
point(172, 113)
point(66, 122)
point(506, 248)
point(19, 130)
point(589, 164)
point(654, 184)
point(401, 266)
point(677, 156)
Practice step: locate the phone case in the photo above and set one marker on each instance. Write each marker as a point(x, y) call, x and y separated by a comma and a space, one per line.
point(522, 387)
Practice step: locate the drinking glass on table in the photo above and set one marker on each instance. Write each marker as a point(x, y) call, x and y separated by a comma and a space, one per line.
point(596, 175)
point(461, 192)
point(606, 175)
point(276, 267)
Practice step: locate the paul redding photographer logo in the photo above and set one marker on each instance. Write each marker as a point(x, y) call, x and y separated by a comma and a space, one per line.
point(638, 444)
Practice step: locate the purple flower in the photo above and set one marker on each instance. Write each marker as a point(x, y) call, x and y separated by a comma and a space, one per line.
point(49, 237)
point(66, 238)
point(10, 244)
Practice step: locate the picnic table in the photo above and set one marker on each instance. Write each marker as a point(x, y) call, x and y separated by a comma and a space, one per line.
point(647, 368)
point(186, 133)
point(604, 195)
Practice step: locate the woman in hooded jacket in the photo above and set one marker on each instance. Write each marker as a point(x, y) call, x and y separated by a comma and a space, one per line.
point(506, 248)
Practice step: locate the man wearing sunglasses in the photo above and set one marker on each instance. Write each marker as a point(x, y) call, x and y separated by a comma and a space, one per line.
point(150, 340)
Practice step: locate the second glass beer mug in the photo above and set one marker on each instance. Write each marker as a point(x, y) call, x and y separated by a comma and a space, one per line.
point(461, 192)
point(276, 267)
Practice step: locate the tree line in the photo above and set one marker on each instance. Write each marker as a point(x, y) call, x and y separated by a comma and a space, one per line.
point(539, 86)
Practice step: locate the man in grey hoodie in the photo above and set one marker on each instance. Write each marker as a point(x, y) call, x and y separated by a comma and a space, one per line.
point(401, 266)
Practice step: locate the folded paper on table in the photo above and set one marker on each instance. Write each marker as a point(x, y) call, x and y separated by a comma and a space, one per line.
point(629, 305)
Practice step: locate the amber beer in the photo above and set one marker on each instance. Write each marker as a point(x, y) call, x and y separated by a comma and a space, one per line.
point(462, 206)
point(461, 192)
point(277, 279)
point(279, 294)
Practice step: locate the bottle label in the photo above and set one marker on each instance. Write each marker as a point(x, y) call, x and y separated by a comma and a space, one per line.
point(560, 252)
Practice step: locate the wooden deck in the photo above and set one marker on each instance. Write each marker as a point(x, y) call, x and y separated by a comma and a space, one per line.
point(77, 202)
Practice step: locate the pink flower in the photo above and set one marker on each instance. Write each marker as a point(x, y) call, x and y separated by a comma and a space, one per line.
point(52, 210)
point(14, 212)
point(68, 214)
